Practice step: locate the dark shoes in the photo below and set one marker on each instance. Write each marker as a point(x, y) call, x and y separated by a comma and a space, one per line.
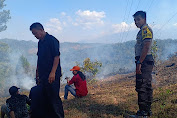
point(142, 114)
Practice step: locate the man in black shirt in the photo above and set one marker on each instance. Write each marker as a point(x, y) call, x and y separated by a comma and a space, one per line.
point(48, 71)
point(16, 105)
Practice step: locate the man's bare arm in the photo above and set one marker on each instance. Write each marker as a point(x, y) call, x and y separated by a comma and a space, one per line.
point(145, 50)
point(143, 55)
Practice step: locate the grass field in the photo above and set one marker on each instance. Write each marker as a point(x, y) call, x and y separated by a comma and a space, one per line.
point(115, 96)
point(118, 99)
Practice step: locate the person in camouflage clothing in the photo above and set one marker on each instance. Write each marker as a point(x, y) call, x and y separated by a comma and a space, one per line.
point(15, 105)
point(144, 64)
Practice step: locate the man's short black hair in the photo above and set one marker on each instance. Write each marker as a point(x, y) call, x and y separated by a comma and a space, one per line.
point(36, 26)
point(141, 13)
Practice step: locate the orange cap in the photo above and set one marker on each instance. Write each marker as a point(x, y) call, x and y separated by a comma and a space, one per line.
point(75, 68)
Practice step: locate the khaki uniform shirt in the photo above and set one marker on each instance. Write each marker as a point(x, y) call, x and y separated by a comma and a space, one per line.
point(145, 34)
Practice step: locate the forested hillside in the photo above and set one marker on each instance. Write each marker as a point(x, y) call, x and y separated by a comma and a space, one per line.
point(115, 58)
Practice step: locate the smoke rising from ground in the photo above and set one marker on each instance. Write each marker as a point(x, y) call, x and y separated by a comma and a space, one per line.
point(17, 76)
point(20, 77)
point(169, 50)
point(115, 58)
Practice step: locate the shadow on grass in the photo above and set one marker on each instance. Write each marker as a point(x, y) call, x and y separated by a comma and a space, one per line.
point(93, 109)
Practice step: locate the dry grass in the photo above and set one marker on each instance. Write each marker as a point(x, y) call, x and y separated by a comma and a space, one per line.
point(115, 97)
point(113, 100)
point(104, 100)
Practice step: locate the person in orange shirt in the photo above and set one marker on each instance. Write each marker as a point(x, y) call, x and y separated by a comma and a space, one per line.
point(79, 81)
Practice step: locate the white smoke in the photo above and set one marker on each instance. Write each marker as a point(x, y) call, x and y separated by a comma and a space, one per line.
point(17, 75)
point(23, 83)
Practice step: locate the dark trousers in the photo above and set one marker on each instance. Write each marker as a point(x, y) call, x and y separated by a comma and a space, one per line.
point(144, 86)
point(53, 107)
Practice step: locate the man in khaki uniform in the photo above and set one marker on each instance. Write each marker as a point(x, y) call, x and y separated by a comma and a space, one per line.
point(144, 64)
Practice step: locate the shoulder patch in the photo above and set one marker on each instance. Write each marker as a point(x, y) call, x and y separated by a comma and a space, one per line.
point(145, 27)
point(146, 33)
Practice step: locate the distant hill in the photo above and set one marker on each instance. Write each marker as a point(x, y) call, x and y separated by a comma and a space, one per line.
point(112, 56)
point(116, 58)
point(113, 96)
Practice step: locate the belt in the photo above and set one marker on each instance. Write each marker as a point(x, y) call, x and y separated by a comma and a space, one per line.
point(147, 58)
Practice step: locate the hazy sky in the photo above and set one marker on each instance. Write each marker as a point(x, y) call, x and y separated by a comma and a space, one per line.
point(90, 20)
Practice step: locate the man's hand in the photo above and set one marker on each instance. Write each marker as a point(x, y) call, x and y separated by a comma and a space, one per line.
point(138, 69)
point(12, 114)
point(54, 68)
point(51, 77)
point(67, 79)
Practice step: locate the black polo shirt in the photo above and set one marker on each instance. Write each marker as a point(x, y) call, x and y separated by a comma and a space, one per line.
point(48, 49)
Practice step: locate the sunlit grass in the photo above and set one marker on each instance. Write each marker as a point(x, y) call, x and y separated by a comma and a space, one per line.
point(117, 98)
